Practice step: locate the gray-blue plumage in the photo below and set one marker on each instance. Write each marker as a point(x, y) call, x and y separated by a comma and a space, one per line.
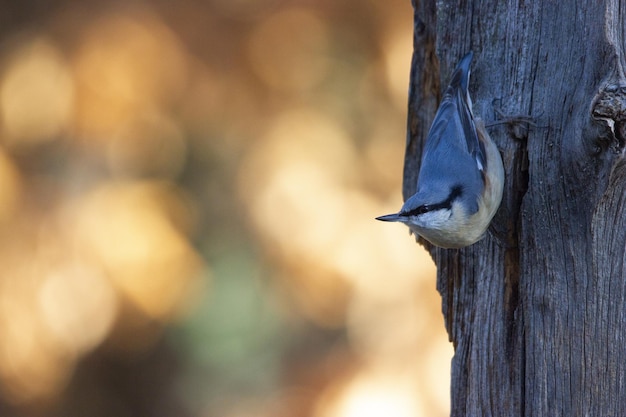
point(461, 156)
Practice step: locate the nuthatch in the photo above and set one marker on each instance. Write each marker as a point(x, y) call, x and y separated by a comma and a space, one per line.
point(460, 182)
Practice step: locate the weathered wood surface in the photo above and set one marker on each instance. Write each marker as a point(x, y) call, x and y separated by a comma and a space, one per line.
point(537, 310)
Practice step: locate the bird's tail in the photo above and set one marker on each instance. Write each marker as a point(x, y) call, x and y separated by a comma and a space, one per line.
point(460, 77)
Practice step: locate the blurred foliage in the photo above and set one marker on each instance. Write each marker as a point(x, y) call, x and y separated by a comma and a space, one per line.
point(187, 194)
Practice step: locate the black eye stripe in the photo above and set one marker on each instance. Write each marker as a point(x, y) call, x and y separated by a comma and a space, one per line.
point(455, 192)
point(420, 210)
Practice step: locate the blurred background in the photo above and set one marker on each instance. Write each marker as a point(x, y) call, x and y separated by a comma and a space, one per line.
point(187, 202)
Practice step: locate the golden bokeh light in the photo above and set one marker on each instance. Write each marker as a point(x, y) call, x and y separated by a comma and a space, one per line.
point(383, 156)
point(125, 228)
point(53, 308)
point(32, 364)
point(10, 184)
point(289, 49)
point(435, 372)
point(73, 266)
point(78, 306)
point(374, 393)
point(298, 202)
point(127, 64)
point(36, 93)
point(303, 168)
point(397, 58)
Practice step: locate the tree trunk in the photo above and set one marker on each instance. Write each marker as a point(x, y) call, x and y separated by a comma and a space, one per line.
point(537, 310)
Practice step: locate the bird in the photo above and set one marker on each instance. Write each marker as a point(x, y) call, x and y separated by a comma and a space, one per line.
point(461, 177)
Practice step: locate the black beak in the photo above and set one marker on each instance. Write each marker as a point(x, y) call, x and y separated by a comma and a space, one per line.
point(395, 217)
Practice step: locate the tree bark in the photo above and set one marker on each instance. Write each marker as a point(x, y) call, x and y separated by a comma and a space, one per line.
point(536, 311)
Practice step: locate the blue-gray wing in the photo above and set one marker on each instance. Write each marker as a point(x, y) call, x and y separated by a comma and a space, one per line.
point(453, 151)
point(454, 120)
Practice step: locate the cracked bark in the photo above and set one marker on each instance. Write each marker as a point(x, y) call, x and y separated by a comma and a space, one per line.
point(536, 311)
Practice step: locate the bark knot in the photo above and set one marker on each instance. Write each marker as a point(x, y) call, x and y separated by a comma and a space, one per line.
point(610, 106)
